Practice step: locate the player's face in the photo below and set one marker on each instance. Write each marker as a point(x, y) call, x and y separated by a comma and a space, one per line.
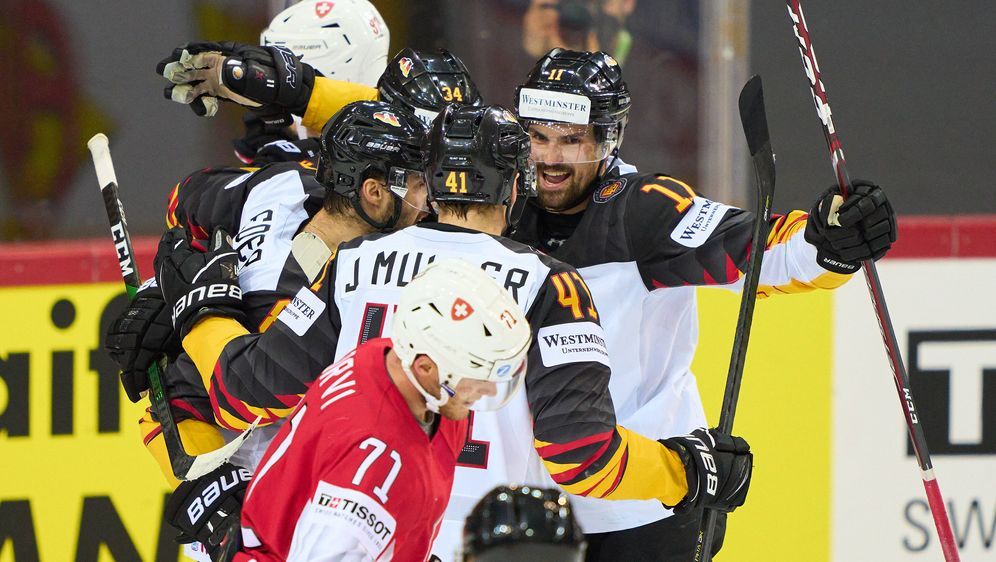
point(567, 160)
point(414, 208)
point(468, 391)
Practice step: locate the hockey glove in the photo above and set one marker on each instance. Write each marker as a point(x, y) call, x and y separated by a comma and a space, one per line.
point(287, 151)
point(270, 78)
point(197, 284)
point(846, 233)
point(207, 510)
point(261, 129)
point(718, 468)
point(139, 336)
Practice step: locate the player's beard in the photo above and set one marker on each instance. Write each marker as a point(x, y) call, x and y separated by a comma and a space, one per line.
point(565, 194)
point(453, 409)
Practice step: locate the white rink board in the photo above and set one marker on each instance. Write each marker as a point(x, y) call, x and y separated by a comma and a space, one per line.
point(879, 510)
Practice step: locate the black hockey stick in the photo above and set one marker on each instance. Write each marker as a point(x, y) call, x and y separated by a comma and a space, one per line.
point(900, 377)
point(185, 466)
point(758, 142)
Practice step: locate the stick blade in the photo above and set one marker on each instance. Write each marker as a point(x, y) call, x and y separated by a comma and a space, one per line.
point(206, 462)
point(101, 154)
point(752, 115)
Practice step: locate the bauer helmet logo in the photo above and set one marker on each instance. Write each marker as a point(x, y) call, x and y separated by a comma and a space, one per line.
point(387, 117)
point(405, 65)
point(461, 310)
point(322, 9)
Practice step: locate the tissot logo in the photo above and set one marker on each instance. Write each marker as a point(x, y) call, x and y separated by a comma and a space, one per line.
point(955, 367)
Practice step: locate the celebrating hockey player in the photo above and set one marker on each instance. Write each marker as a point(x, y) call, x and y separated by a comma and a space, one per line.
point(524, 524)
point(363, 468)
point(287, 222)
point(144, 331)
point(643, 241)
point(346, 41)
point(564, 424)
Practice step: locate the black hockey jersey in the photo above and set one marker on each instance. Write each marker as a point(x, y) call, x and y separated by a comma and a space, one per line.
point(643, 244)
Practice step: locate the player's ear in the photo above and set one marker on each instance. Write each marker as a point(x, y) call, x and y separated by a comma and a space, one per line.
point(374, 195)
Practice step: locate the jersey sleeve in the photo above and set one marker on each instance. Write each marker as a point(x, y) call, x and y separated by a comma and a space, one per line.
point(328, 96)
point(574, 422)
point(264, 375)
point(208, 199)
point(679, 238)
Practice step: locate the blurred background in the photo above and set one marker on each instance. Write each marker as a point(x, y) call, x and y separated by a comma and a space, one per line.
point(911, 86)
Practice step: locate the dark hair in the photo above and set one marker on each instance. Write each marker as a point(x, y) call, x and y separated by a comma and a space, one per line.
point(338, 204)
point(462, 209)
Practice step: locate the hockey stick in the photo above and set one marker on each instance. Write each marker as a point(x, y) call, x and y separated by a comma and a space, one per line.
point(185, 466)
point(934, 499)
point(755, 124)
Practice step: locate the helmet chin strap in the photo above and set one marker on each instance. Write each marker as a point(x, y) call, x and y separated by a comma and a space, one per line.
point(431, 402)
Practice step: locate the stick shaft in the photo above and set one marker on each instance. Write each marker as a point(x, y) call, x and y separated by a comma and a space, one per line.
point(901, 378)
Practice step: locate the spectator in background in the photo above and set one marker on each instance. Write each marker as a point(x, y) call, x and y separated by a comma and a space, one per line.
point(663, 75)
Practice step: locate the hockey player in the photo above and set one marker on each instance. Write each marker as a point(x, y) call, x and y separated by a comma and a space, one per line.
point(272, 81)
point(287, 222)
point(363, 468)
point(643, 241)
point(564, 424)
point(346, 41)
point(524, 524)
point(143, 331)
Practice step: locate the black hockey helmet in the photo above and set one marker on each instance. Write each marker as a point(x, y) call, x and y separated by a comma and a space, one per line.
point(474, 154)
point(370, 137)
point(424, 82)
point(577, 88)
point(524, 524)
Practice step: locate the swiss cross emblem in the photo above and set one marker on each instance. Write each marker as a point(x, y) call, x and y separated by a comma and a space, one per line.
point(461, 309)
point(322, 9)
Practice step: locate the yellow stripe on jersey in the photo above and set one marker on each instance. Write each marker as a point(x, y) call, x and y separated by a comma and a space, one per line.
point(198, 437)
point(329, 96)
point(207, 339)
point(828, 280)
point(639, 469)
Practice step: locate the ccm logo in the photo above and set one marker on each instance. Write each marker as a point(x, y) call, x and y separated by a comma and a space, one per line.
point(712, 479)
point(211, 494)
point(218, 290)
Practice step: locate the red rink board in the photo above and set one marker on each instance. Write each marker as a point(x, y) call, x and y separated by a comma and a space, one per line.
point(93, 260)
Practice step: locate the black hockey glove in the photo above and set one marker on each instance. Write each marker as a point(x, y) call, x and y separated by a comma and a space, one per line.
point(718, 468)
point(846, 233)
point(287, 151)
point(139, 336)
point(207, 510)
point(261, 129)
point(271, 79)
point(197, 284)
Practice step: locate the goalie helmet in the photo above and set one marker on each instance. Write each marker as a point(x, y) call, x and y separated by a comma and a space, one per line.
point(470, 326)
point(577, 88)
point(424, 82)
point(475, 154)
point(523, 523)
point(345, 39)
point(368, 137)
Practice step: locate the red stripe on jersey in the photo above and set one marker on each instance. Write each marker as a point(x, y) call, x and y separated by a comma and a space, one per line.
point(732, 271)
point(186, 407)
point(569, 475)
point(554, 449)
point(152, 435)
point(619, 473)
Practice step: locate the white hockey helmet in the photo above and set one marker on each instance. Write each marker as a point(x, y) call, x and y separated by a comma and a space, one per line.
point(469, 325)
point(343, 39)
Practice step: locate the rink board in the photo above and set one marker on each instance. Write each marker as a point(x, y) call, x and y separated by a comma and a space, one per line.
point(833, 478)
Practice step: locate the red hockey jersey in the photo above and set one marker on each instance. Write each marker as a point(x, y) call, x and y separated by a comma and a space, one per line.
point(352, 475)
